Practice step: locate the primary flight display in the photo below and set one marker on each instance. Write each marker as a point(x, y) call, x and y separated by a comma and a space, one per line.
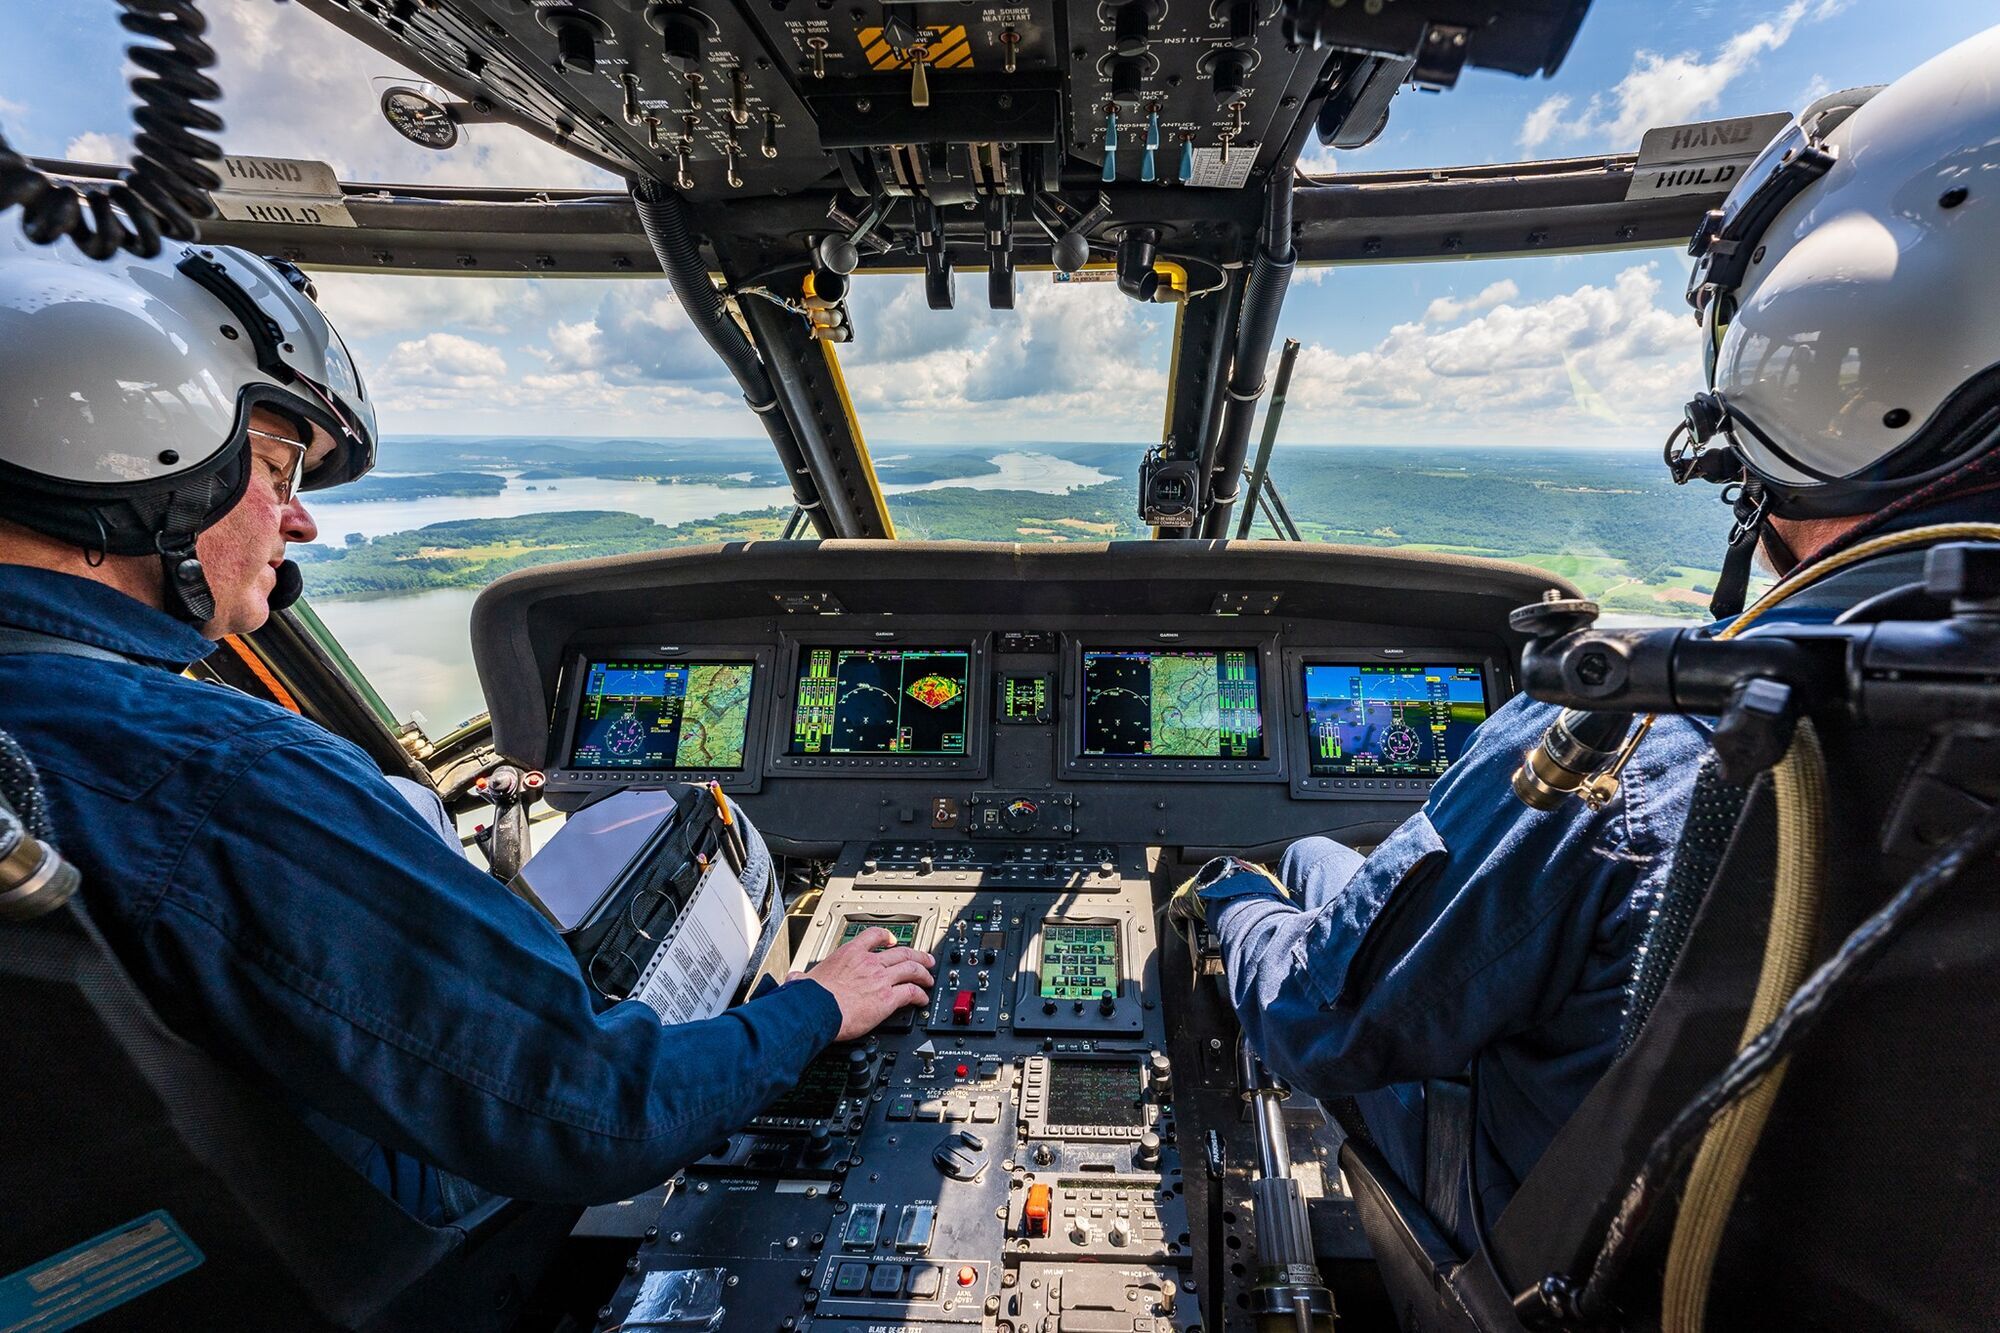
point(881, 701)
point(1172, 703)
point(662, 715)
point(1393, 720)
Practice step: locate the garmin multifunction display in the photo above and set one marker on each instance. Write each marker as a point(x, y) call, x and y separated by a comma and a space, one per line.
point(1390, 720)
point(1172, 704)
point(662, 715)
point(881, 701)
point(904, 931)
point(1096, 1092)
point(1079, 962)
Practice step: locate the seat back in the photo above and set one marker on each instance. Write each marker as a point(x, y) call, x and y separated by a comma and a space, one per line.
point(1868, 1201)
point(146, 1186)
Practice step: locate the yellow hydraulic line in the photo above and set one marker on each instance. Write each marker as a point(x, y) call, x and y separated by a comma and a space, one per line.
point(861, 454)
point(1731, 1141)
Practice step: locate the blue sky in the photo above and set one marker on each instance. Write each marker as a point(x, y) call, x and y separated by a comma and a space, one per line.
point(1589, 350)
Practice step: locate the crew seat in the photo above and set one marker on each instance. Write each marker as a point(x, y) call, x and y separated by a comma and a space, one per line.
point(1870, 1199)
point(133, 1156)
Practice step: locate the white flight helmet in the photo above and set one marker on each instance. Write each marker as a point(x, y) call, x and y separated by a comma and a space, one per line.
point(126, 387)
point(1849, 292)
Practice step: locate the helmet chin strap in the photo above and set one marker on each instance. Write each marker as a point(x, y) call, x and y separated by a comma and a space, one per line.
point(1753, 516)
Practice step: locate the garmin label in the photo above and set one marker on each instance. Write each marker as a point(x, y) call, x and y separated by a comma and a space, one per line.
point(1705, 158)
point(281, 190)
point(101, 1274)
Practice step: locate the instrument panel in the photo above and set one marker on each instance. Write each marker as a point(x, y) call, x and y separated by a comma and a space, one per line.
point(1339, 722)
point(855, 691)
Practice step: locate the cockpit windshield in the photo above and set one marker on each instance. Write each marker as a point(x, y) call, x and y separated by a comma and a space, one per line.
point(1508, 407)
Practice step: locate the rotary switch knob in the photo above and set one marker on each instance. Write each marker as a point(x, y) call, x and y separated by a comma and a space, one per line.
point(1020, 815)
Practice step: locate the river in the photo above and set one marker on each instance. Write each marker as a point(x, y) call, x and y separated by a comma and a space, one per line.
point(417, 651)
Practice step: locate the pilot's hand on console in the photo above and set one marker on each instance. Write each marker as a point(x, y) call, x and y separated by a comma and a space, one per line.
point(871, 977)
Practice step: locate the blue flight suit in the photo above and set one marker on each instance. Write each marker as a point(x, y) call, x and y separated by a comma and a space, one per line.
point(288, 910)
point(1481, 931)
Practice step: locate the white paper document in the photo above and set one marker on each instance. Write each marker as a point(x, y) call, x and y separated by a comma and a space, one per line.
point(693, 974)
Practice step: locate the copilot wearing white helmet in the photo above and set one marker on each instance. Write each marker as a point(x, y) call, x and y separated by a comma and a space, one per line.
point(128, 388)
point(1849, 295)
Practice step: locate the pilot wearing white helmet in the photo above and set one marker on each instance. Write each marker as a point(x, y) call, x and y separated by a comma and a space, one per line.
point(277, 900)
point(1849, 293)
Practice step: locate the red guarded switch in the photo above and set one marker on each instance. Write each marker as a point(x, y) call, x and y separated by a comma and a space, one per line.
point(961, 1008)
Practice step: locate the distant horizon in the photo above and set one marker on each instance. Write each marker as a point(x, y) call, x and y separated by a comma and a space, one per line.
point(1019, 445)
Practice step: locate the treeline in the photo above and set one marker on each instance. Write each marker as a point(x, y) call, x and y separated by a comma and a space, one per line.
point(471, 553)
point(422, 486)
point(1510, 503)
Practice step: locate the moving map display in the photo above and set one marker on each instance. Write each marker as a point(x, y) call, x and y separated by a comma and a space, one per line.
point(664, 715)
point(1079, 962)
point(864, 701)
point(1391, 720)
point(1173, 703)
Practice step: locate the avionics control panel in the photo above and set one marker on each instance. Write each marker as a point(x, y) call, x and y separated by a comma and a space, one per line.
point(1006, 1157)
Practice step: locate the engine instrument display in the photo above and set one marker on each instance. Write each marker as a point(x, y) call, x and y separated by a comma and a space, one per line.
point(1371, 719)
point(881, 701)
point(1079, 962)
point(1095, 1093)
point(662, 715)
point(1024, 699)
point(1172, 703)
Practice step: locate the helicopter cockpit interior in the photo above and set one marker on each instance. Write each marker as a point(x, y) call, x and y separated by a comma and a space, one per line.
point(1009, 753)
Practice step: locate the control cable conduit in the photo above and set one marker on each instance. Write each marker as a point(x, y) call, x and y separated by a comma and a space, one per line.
point(1719, 1167)
point(663, 215)
point(166, 188)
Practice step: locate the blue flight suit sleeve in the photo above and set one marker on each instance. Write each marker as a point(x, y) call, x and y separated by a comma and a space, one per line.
point(333, 941)
point(1473, 921)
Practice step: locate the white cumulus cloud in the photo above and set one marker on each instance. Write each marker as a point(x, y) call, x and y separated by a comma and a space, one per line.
point(1665, 89)
point(93, 146)
point(1445, 309)
point(1542, 371)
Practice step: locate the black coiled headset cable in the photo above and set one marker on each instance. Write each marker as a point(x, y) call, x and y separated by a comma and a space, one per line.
point(166, 188)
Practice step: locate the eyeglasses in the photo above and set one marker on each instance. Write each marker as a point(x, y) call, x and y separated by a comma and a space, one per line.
point(288, 469)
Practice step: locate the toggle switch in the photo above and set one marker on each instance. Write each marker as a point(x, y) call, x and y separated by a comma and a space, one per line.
point(1186, 174)
point(920, 83)
point(1147, 169)
point(1111, 143)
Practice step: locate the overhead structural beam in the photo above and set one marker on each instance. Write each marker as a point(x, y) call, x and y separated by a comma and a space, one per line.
point(1457, 213)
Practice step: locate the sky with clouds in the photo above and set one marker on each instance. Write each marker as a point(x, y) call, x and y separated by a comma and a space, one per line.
point(1590, 350)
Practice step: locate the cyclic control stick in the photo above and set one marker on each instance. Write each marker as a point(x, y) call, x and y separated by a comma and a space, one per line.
point(1289, 1293)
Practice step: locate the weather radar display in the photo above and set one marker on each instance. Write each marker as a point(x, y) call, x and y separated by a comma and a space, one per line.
point(1406, 721)
point(1172, 704)
point(889, 701)
point(663, 715)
